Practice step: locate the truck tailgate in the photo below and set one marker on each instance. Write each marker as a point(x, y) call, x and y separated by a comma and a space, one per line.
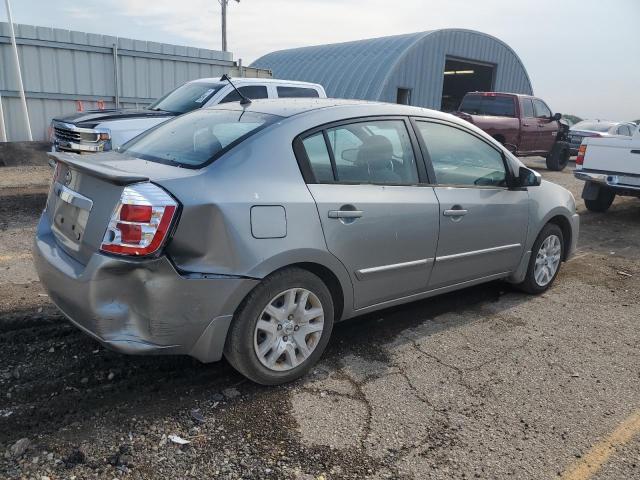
point(619, 155)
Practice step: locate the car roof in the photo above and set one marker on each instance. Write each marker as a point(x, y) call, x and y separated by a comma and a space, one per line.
point(288, 107)
point(610, 123)
point(262, 81)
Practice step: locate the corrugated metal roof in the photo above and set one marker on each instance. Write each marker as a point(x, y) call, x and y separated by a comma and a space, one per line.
point(363, 69)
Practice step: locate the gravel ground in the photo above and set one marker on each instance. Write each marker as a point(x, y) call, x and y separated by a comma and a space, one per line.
point(482, 383)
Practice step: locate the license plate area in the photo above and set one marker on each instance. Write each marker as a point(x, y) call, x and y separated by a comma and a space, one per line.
point(69, 216)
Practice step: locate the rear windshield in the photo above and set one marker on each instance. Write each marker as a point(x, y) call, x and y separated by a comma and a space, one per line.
point(187, 97)
point(198, 138)
point(488, 105)
point(593, 126)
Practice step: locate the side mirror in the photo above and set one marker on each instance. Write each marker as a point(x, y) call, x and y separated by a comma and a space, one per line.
point(556, 116)
point(528, 177)
point(511, 147)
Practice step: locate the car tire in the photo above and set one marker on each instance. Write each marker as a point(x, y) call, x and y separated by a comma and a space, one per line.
point(558, 157)
point(602, 202)
point(243, 348)
point(531, 283)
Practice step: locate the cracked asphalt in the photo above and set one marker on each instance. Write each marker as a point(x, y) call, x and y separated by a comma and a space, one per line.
point(482, 383)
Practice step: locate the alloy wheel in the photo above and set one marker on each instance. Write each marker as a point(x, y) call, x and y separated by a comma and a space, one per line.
point(547, 260)
point(288, 329)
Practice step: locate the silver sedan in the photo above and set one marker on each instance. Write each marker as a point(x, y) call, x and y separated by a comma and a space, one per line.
point(249, 230)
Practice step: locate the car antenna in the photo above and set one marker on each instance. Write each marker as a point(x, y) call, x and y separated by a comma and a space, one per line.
point(244, 100)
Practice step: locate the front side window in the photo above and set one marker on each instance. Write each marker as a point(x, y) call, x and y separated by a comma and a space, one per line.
point(195, 139)
point(187, 97)
point(542, 111)
point(297, 92)
point(488, 104)
point(252, 92)
point(527, 108)
point(460, 158)
point(624, 130)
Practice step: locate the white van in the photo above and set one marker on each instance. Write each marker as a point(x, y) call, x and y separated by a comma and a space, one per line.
point(102, 130)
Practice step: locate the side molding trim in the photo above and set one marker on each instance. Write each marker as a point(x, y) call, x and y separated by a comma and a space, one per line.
point(477, 252)
point(366, 273)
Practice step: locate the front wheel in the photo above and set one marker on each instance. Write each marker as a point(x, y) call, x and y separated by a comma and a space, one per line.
point(282, 327)
point(558, 157)
point(546, 255)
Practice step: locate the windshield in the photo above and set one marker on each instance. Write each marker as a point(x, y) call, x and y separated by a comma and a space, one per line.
point(494, 105)
point(198, 138)
point(593, 126)
point(187, 97)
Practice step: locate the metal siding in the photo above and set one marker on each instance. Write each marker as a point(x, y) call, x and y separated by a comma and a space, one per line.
point(373, 69)
point(80, 65)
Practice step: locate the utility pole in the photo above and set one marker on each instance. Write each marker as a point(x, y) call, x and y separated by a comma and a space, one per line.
point(223, 4)
point(19, 73)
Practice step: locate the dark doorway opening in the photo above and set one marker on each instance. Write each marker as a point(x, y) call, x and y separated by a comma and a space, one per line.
point(462, 76)
point(404, 96)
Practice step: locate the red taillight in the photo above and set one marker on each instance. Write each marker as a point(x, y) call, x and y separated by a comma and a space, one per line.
point(581, 152)
point(140, 222)
point(136, 213)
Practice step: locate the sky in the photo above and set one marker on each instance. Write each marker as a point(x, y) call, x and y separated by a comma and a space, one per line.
point(583, 56)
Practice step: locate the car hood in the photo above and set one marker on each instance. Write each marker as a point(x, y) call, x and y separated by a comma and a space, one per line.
point(91, 118)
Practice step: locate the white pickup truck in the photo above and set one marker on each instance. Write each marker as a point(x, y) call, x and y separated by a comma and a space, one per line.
point(610, 166)
point(102, 130)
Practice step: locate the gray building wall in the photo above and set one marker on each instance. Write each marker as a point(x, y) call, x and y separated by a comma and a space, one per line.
point(374, 69)
point(62, 67)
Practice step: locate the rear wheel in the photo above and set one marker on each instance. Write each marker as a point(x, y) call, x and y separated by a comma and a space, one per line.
point(602, 202)
point(282, 327)
point(546, 256)
point(558, 157)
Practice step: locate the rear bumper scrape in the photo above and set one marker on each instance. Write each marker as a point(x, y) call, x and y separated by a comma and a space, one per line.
point(140, 306)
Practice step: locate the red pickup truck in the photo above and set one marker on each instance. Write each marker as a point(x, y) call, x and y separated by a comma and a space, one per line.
point(524, 124)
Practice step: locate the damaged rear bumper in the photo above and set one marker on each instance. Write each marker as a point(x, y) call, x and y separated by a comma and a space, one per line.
point(140, 306)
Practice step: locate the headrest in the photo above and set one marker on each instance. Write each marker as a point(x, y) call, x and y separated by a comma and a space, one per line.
point(376, 151)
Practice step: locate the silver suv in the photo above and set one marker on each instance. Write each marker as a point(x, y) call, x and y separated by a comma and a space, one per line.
point(247, 231)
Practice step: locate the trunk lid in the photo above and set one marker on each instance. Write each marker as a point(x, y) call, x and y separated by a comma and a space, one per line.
point(85, 191)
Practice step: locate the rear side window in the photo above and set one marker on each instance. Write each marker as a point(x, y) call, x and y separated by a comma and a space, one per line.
point(319, 158)
point(489, 104)
point(252, 92)
point(460, 158)
point(297, 92)
point(527, 108)
point(542, 111)
point(198, 138)
point(378, 152)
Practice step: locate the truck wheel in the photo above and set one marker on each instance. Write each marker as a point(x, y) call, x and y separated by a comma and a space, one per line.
point(281, 329)
point(546, 257)
point(602, 202)
point(558, 157)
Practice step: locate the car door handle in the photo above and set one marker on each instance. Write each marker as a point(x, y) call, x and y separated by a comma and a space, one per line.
point(635, 151)
point(455, 212)
point(540, 126)
point(345, 213)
